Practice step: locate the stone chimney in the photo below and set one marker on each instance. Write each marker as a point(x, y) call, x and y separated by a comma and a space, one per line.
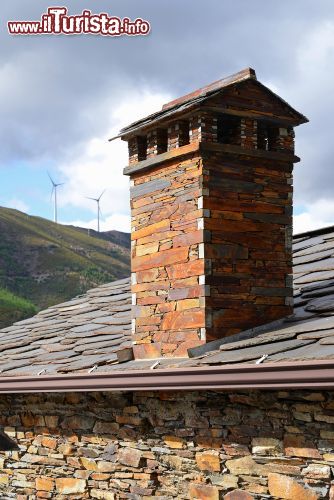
point(211, 211)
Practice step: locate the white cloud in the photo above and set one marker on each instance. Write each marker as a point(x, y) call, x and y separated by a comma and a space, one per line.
point(309, 92)
point(17, 204)
point(317, 51)
point(118, 222)
point(316, 215)
point(99, 165)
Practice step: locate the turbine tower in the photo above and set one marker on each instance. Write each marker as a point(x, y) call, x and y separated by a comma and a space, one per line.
point(54, 191)
point(98, 208)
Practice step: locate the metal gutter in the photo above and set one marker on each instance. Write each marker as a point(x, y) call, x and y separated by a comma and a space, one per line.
point(315, 374)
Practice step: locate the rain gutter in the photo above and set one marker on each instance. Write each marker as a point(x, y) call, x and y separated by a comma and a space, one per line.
point(315, 374)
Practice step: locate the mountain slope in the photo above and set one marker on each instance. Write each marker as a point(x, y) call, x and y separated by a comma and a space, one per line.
point(48, 263)
point(14, 308)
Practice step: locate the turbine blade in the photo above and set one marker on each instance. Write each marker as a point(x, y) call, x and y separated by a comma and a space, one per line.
point(102, 194)
point(53, 182)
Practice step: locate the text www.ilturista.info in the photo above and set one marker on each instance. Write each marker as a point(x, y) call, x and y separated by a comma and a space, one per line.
point(57, 22)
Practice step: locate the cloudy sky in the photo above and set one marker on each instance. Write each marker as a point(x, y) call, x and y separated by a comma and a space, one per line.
point(61, 97)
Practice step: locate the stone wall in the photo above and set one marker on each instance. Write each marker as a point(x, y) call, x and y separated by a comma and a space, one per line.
point(248, 217)
point(206, 445)
point(166, 266)
point(210, 234)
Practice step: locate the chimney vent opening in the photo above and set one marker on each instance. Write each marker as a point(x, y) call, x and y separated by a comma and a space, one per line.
point(228, 129)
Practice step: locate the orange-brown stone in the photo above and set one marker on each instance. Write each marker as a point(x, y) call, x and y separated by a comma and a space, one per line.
point(238, 495)
point(68, 485)
point(49, 442)
point(198, 491)
point(193, 268)
point(44, 483)
point(285, 487)
point(181, 350)
point(174, 442)
point(147, 351)
point(183, 319)
point(165, 258)
point(299, 446)
point(163, 225)
point(208, 461)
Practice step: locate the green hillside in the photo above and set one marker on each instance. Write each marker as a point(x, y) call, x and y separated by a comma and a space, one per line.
point(47, 263)
point(14, 308)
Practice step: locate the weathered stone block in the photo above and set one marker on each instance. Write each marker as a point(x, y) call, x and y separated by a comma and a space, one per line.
point(147, 351)
point(165, 258)
point(44, 483)
point(89, 463)
point(285, 487)
point(49, 442)
point(322, 417)
point(105, 427)
point(238, 495)
point(106, 466)
point(68, 486)
point(225, 481)
point(102, 494)
point(208, 461)
point(300, 446)
point(199, 491)
point(244, 465)
point(174, 442)
point(130, 457)
point(317, 471)
point(183, 319)
point(267, 446)
point(78, 422)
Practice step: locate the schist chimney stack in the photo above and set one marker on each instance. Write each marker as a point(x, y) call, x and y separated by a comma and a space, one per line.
point(211, 211)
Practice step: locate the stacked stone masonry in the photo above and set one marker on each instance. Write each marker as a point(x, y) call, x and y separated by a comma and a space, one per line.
point(137, 149)
point(247, 214)
point(206, 127)
point(178, 135)
point(204, 446)
point(156, 142)
point(166, 265)
point(203, 125)
point(210, 234)
point(211, 226)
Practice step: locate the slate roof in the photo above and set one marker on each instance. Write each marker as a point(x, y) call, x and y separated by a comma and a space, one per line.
point(92, 333)
point(90, 330)
point(309, 333)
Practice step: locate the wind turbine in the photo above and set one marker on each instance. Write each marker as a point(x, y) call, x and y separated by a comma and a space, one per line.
point(98, 208)
point(54, 190)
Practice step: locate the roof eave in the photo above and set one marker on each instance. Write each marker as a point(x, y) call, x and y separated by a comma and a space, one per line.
point(315, 374)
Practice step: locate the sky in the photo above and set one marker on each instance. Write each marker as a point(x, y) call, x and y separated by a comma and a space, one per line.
point(62, 97)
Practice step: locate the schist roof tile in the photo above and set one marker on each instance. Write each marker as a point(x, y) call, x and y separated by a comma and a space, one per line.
point(76, 335)
point(92, 333)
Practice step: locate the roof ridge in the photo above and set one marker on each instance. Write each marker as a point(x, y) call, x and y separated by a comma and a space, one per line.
point(244, 74)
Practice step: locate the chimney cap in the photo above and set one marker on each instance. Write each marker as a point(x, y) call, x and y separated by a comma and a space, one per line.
point(245, 74)
point(192, 99)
